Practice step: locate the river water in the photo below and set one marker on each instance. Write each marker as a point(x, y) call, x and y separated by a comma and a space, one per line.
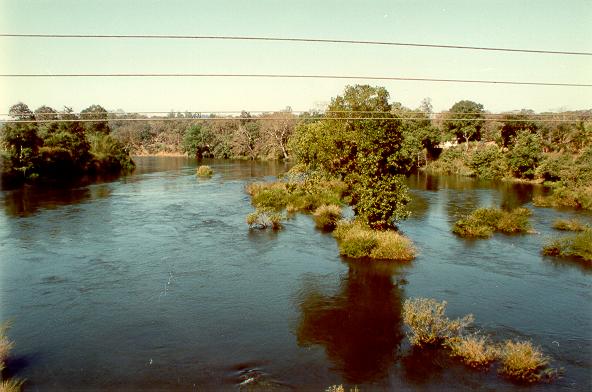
point(154, 282)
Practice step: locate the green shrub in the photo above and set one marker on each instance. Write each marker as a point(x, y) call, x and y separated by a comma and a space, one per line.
point(356, 240)
point(484, 221)
point(564, 196)
point(522, 361)
point(204, 171)
point(474, 351)
point(578, 245)
point(326, 216)
point(569, 225)
point(428, 325)
point(488, 162)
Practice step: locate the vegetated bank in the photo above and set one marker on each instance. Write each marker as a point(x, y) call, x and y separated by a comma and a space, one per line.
point(47, 145)
point(483, 222)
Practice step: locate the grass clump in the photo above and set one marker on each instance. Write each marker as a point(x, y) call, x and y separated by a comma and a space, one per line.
point(569, 225)
point(204, 171)
point(474, 351)
point(326, 216)
point(428, 324)
point(357, 240)
point(340, 388)
point(484, 221)
point(578, 245)
point(523, 362)
point(261, 219)
point(12, 385)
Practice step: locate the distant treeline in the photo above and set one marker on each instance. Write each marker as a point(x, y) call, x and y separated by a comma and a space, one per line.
point(50, 145)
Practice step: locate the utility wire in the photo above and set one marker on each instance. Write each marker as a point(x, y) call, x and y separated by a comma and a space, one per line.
point(292, 39)
point(298, 112)
point(264, 119)
point(285, 76)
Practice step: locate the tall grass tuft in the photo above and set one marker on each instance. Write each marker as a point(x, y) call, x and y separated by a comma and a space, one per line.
point(482, 222)
point(12, 385)
point(578, 245)
point(357, 240)
point(523, 362)
point(263, 219)
point(204, 171)
point(569, 225)
point(340, 388)
point(428, 324)
point(327, 216)
point(474, 351)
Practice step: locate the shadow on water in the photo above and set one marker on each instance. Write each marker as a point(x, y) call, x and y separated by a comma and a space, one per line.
point(28, 200)
point(359, 326)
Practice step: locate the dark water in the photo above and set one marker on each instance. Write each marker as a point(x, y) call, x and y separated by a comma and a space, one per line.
point(154, 282)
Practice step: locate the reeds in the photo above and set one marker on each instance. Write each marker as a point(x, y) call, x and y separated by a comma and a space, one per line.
point(262, 219)
point(524, 362)
point(428, 325)
point(11, 385)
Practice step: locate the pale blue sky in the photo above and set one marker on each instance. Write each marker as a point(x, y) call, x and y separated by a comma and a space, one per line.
point(553, 25)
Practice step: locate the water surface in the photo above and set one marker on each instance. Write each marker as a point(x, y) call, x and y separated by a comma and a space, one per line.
point(154, 282)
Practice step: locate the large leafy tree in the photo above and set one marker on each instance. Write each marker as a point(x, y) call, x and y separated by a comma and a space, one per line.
point(363, 143)
point(515, 123)
point(464, 120)
point(99, 117)
point(21, 142)
point(196, 141)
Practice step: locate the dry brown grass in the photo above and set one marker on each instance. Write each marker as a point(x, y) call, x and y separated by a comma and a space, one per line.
point(475, 351)
point(569, 225)
point(340, 388)
point(326, 216)
point(204, 171)
point(12, 385)
point(524, 362)
point(426, 319)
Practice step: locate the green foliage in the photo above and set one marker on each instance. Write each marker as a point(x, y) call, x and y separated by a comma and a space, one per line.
point(578, 245)
point(515, 124)
point(108, 155)
point(488, 162)
point(525, 155)
point(484, 221)
point(96, 113)
point(564, 196)
point(196, 141)
point(465, 119)
point(427, 323)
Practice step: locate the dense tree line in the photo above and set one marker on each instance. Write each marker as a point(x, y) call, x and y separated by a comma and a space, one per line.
point(47, 144)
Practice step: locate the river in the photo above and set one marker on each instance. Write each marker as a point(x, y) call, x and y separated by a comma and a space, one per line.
point(154, 282)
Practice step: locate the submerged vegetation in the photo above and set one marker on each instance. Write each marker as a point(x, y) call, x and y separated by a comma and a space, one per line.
point(483, 222)
point(428, 325)
point(577, 245)
point(204, 171)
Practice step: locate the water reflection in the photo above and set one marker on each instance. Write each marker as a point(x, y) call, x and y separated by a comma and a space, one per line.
point(28, 200)
point(360, 325)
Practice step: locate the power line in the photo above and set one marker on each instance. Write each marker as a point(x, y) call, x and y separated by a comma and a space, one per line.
point(295, 112)
point(293, 39)
point(265, 119)
point(285, 76)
